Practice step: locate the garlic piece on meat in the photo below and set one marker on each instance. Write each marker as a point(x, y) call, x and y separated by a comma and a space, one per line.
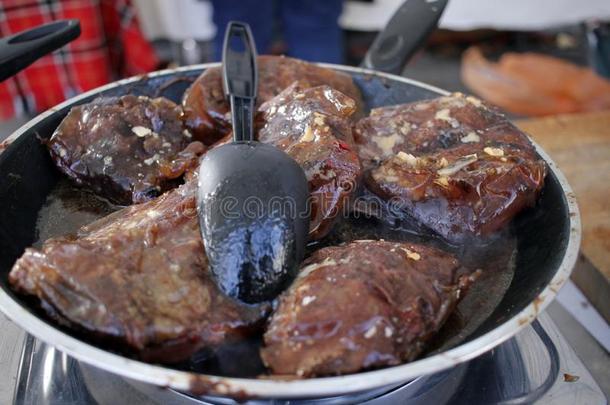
point(318, 119)
point(370, 332)
point(307, 135)
point(458, 165)
point(141, 131)
point(153, 214)
point(387, 143)
point(407, 158)
point(493, 151)
point(405, 129)
point(472, 137)
point(151, 160)
point(327, 174)
point(442, 181)
point(443, 115)
point(412, 255)
point(474, 101)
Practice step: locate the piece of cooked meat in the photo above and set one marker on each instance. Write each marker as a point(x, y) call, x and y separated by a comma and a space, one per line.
point(128, 149)
point(364, 305)
point(208, 113)
point(454, 163)
point(312, 125)
point(138, 280)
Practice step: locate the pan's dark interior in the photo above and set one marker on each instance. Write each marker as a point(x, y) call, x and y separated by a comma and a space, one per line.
point(539, 236)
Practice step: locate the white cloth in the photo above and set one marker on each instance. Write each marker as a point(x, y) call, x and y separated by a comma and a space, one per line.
point(524, 15)
point(176, 20)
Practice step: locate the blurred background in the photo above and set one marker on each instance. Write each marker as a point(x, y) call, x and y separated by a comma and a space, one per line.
point(539, 43)
point(545, 62)
point(531, 57)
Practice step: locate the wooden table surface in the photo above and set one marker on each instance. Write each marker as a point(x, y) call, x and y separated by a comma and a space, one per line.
point(580, 145)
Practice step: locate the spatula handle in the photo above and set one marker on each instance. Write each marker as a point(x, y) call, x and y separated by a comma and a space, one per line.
point(22, 49)
point(404, 34)
point(240, 78)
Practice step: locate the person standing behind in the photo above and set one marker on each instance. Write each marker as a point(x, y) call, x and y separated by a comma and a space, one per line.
point(110, 46)
point(310, 28)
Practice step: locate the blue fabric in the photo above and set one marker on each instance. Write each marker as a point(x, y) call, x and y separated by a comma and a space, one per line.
point(309, 27)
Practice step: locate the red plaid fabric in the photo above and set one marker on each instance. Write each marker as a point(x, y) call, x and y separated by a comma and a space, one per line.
point(110, 46)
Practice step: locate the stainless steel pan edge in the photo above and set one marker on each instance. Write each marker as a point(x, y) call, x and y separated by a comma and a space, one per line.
point(309, 388)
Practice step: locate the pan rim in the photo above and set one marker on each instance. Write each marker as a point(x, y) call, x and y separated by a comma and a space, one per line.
point(314, 387)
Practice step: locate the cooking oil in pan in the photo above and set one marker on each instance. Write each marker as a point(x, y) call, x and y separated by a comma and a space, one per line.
point(67, 208)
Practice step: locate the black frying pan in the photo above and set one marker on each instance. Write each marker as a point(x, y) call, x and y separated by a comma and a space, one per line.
point(546, 240)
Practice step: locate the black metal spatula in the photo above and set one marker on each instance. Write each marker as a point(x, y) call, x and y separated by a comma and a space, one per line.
point(252, 199)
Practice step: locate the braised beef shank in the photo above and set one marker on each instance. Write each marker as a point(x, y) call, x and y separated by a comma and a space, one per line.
point(364, 305)
point(137, 279)
point(313, 126)
point(454, 163)
point(206, 107)
point(128, 149)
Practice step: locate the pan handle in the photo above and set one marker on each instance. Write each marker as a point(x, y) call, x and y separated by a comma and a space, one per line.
point(408, 29)
point(22, 49)
point(240, 78)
